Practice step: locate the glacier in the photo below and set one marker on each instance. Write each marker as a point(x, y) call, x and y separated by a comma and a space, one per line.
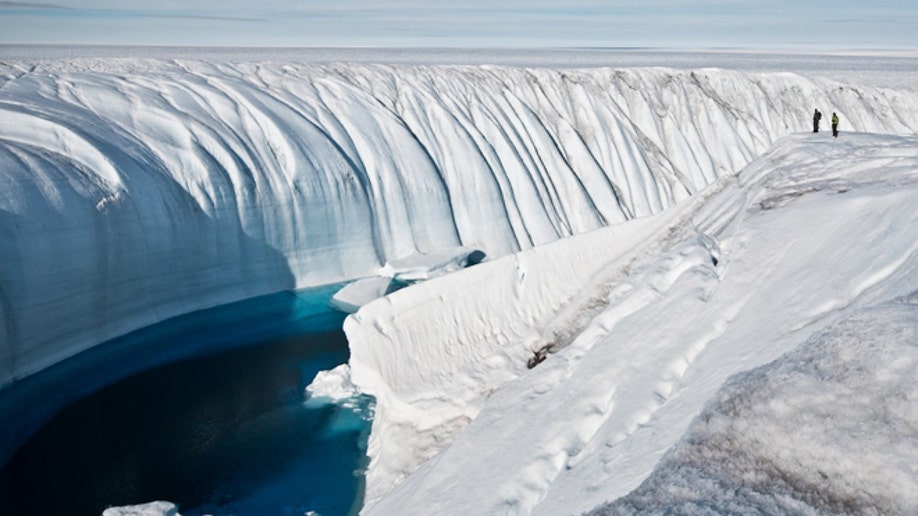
point(138, 189)
point(132, 190)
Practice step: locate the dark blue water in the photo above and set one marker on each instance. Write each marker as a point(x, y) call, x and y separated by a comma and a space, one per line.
point(204, 410)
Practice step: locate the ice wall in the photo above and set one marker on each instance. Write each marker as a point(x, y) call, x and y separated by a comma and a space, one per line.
point(135, 190)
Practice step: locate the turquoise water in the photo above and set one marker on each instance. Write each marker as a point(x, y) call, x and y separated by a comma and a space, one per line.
point(204, 410)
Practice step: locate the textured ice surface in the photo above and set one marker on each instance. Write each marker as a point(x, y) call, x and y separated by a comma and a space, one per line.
point(828, 428)
point(638, 274)
point(132, 190)
point(639, 324)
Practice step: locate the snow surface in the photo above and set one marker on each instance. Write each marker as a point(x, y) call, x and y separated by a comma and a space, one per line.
point(132, 190)
point(645, 320)
point(628, 262)
point(829, 428)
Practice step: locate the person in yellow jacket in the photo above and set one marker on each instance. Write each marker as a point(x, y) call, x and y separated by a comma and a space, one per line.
point(834, 125)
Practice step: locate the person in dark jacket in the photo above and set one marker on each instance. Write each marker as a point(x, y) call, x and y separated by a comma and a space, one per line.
point(817, 116)
point(834, 125)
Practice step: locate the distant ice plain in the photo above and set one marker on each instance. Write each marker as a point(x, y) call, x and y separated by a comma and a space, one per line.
point(891, 69)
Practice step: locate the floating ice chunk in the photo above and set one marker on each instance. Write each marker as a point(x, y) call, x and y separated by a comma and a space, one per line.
point(358, 293)
point(353, 409)
point(147, 509)
point(331, 386)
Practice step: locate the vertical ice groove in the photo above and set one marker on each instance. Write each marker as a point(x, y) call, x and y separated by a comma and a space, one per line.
point(551, 112)
point(539, 144)
point(60, 138)
point(439, 130)
point(327, 122)
point(492, 165)
point(595, 126)
point(496, 120)
point(478, 122)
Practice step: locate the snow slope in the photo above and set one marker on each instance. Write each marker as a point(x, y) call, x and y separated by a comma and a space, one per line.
point(133, 190)
point(826, 429)
point(644, 321)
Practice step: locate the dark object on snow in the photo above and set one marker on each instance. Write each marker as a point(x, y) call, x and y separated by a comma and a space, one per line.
point(475, 257)
point(834, 125)
point(817, 116)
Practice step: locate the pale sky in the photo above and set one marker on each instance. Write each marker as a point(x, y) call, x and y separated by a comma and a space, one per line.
point(743, 24)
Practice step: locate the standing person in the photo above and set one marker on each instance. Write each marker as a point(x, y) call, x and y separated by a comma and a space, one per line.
point(834, 125)
point(817, 116)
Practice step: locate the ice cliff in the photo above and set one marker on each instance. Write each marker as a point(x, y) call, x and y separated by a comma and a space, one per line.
point(135, 190)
